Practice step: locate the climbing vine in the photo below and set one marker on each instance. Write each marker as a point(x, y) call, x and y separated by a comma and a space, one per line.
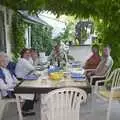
point(18, 34)
point(107, 11)
point(41, 38)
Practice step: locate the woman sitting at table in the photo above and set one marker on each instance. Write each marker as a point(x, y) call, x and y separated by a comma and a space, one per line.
point(94, 60)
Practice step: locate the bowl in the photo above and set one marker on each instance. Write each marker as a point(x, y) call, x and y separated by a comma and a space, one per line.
point(56, 75)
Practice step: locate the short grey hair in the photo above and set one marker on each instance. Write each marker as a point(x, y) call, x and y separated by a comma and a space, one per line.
point(3, 54)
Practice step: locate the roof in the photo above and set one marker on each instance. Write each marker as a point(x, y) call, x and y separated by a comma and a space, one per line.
point(32, 19)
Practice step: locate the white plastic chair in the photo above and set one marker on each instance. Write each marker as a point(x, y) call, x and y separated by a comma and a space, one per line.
point(20, 98)
point(63, 104)
point(3, 103)
point(115, 77)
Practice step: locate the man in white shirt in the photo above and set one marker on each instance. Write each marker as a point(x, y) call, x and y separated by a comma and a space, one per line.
point(24, 66)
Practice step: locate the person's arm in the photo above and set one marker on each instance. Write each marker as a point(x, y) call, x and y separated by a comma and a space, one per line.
point(29, 66)
point(88, 62)
point(15, 82)
point(4, 86)
point(105, 68)
point(51, 55)
point(103, 71)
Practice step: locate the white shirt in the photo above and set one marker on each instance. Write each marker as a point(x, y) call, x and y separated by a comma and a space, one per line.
point(109, 61)
point(10, 80)
point(23, 68)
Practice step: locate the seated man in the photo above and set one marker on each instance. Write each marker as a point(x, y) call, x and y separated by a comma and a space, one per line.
point(11, 67)
point(24, 66)
point(25, 70)
point(94, 60)
point(7, 80)
point(35, 57)
point(103, 66)
point(58, 55)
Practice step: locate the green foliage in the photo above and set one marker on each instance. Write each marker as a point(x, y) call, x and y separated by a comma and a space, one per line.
point(81, 30)
point(69, 7)
point(18, 32)
point(107, 11)
point(68, 35)
point(41, 38)
point(108, 34)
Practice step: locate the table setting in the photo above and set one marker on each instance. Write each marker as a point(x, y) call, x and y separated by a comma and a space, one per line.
point(55, 77)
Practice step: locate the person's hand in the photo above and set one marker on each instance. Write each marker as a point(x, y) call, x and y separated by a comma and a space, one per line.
point(37, 73)
point(90, 73)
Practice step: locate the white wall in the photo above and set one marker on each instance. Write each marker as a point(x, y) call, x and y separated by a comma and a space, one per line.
point(28, 37)
point(7, 25)
point(80, 53)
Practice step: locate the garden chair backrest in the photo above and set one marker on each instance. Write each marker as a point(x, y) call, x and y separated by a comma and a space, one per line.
point(109, 70)
point(115, 77)
point(64, 104)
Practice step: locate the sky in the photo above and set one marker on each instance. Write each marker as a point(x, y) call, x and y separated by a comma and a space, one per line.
point(58, 26)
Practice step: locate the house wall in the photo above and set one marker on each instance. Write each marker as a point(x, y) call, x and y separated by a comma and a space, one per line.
point(28, 37)
point(7, 23)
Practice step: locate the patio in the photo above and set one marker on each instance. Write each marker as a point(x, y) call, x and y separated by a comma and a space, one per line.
point(99, 112)
point(100, 106)
point(107, 23)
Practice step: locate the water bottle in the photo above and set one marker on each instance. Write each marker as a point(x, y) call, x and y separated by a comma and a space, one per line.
point(68, 70)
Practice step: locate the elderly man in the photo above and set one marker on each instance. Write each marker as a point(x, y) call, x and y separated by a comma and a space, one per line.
point(104, 65)
point(7, 80)
point(7, 84)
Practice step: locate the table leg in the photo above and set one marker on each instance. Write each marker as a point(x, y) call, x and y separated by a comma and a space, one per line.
point(19, 107)
point(40, 106)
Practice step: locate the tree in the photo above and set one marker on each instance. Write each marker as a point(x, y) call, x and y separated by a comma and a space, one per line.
point(107, 11)
point(81, 31)
point(41, 38)
point(18, 33)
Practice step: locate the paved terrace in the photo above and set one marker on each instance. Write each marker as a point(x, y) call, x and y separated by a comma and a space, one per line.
point(99, 112)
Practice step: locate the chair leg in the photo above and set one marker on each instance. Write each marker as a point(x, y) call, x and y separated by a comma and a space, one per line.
point(109, 106)
point(2, 107)
point(40, 105)
point(93, 100)
point(19, 107)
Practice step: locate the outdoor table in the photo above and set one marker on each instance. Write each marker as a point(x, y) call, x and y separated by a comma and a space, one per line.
point(44, 86)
